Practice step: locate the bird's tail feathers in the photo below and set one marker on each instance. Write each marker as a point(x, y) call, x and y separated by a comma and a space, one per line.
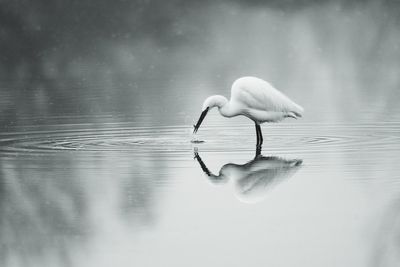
point(293, 115)
point(297, 111)
point(298, 115)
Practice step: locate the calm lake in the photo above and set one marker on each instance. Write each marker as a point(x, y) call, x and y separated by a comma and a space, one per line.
point(97, 167)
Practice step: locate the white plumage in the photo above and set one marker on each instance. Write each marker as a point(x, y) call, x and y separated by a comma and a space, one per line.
point(256, 99)
point(260, 101)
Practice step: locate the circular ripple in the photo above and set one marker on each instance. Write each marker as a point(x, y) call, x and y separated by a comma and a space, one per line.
point(99, 139)
point(286, 138)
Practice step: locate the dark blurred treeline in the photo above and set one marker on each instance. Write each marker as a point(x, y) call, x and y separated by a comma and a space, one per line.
point(129, 57)
point(31, 31)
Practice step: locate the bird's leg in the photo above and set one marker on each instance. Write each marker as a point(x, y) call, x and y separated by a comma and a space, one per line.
point(259, 135)
point(259, 140)
point(258, 151)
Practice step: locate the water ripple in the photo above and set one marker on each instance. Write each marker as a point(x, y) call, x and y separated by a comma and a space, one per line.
point(300, 138)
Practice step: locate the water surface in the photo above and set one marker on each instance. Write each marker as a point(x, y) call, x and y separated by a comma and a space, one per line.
point(97, 167)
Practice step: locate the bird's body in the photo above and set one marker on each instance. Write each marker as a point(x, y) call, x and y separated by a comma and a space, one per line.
point(256, 99)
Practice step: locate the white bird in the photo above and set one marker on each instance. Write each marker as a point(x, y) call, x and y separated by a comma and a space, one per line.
point(256, 99)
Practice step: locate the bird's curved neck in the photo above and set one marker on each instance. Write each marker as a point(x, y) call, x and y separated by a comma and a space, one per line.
point(227, 110)
point(224, 106)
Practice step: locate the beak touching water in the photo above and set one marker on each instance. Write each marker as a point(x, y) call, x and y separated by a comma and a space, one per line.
point(202, 116)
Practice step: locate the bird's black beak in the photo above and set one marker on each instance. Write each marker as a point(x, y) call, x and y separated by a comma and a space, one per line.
point(202, 116)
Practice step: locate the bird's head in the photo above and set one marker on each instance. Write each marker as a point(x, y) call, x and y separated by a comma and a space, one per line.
point(209, 103)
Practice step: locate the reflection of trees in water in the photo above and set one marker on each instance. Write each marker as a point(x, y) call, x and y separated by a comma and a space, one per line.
point(375, 170)
point(136, 197)
point(386, 241)
point(42, 212)
point(53, 208)
point(133, 182)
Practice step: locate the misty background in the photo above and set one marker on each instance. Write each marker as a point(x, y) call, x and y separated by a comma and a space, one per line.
point(98, 58)
point(97, 99)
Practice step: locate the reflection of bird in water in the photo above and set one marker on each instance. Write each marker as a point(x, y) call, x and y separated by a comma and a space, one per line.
point(256, 99)
point(253, 179)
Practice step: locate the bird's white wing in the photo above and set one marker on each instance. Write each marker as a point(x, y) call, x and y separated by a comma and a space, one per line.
point(258, 94)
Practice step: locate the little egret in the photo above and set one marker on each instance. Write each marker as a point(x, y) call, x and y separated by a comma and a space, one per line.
point(256, 99)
